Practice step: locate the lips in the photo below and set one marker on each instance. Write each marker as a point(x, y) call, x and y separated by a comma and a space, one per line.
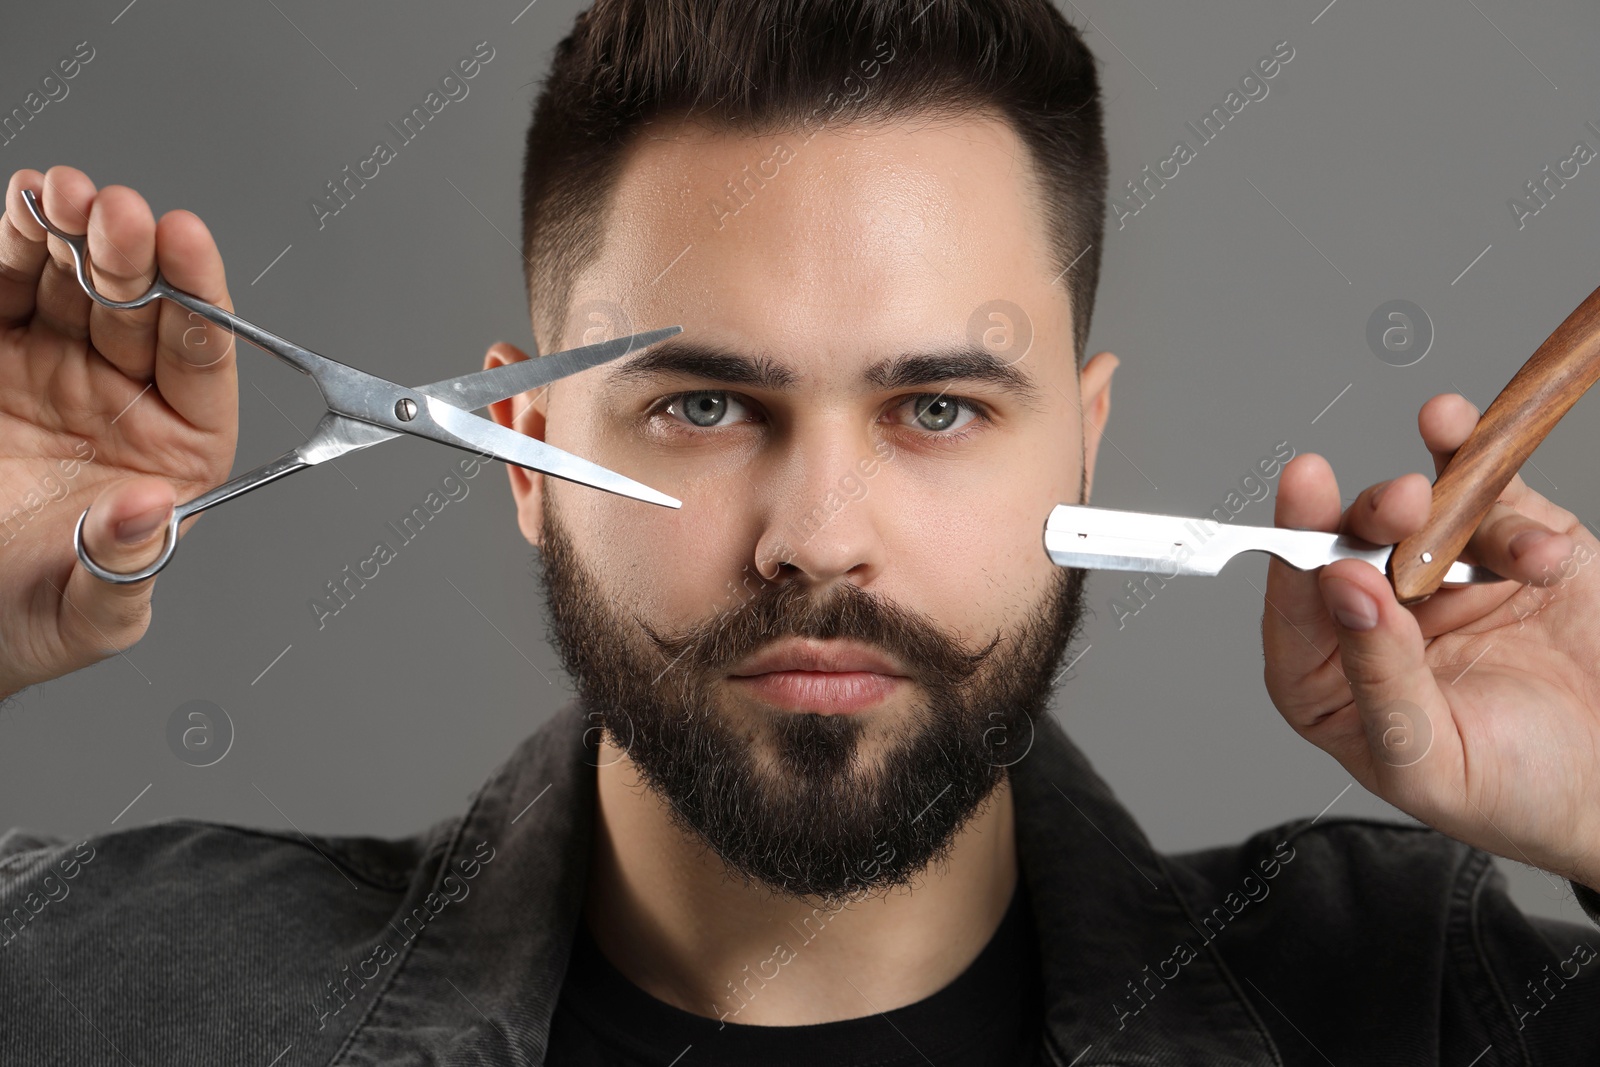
point(826, 677)
point(831, 656)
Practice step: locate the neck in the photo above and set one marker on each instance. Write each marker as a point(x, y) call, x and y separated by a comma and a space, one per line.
point(666, 913)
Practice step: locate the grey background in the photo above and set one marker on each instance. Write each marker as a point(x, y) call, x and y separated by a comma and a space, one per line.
point(1382, 160)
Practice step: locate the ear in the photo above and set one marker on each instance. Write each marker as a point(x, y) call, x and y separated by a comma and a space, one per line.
point(524, 413)
point(1094, 389)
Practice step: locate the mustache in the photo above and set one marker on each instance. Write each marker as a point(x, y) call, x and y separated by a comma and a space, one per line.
point(776, 611)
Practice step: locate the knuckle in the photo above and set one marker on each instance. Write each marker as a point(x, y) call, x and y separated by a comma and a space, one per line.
point(128, 618)
point(197, 353)
point(124, 278)
point(135, 324)
point(10, 272)
point(109, 624)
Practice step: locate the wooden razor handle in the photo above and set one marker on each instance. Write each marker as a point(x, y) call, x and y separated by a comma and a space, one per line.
point(1526, 410)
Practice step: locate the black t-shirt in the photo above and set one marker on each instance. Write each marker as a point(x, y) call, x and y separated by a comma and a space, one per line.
point(990, 1015)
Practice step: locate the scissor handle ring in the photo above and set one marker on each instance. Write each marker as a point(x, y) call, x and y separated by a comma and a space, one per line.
point(78, 245)
point(137, 576)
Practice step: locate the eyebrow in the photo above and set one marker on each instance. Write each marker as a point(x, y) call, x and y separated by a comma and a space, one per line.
point(968, 363)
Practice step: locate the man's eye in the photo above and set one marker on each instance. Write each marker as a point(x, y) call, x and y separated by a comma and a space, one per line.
point(705, 409)
point(936, 414)
point(939, 414)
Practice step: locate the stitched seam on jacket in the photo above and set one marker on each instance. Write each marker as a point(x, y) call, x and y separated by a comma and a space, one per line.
point(405, 954)
point(17, 858)
point(1358, 821)
point(342, 861)
point(1470, 885)
point(1221, 965)
point(1470, 880)
point(388, 880)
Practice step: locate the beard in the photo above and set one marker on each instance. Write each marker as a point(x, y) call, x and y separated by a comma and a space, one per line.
point(808, 805)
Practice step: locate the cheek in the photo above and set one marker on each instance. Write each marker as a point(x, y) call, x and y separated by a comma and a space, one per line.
point(983, 549)
point(672, 565)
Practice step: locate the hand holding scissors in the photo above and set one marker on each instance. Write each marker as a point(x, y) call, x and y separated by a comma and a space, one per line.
point(122, 398)
point(364, 410)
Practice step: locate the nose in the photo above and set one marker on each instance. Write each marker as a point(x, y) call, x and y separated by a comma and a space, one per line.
point(826, 520)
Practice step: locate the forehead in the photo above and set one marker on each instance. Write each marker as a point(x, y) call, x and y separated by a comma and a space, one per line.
point(866, 231)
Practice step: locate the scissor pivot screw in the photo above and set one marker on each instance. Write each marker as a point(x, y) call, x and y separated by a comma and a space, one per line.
point(406, 410)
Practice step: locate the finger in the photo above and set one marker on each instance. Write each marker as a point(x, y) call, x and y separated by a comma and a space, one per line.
point(22, 251)
point(1297, 635)
point(1524, 536)
point(122, 254)
point(1403, 715)
point(1390, 511)
point(196, 370)
point(1518, 547)
point(1446, 421)
point(125, 531)
point(61, 302)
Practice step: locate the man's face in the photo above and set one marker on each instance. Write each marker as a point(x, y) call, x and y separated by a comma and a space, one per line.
point(848, 496)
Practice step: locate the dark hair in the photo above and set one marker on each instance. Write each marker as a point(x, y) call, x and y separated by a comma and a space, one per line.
point(765, 65)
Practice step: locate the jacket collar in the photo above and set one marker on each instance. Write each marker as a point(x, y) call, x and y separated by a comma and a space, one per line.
point(488, 965)
point(1110, 917)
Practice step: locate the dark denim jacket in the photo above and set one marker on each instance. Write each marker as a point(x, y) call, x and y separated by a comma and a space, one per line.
point(1341, 941)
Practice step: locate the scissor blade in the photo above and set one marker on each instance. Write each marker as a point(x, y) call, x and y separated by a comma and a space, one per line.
point(470, 392)
point(337, 435)
point(489, 438)
point(1078, 535)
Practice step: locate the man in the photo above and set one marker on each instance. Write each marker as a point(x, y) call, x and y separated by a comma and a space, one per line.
point(810, 805)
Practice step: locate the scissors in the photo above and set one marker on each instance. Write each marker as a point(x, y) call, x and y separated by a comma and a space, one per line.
point(364, 410)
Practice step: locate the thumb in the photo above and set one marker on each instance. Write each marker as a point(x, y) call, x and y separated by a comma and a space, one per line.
point(1381, 653)
point(124, 531)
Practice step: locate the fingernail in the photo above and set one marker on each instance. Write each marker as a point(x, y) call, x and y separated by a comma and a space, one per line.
point(1519, 545)
point(139, 528)
point(1352, 608)
point(1377, 494)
